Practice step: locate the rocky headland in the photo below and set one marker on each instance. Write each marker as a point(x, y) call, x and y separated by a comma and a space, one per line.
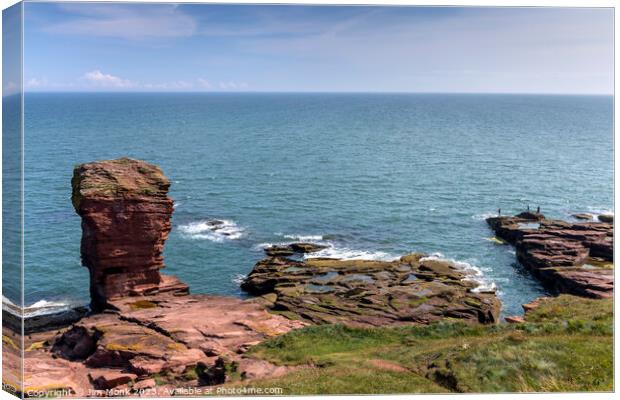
point(569, 257)
point(145, 331)
point(146, 335)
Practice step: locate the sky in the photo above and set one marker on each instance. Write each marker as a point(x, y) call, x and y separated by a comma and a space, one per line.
point(228, 48)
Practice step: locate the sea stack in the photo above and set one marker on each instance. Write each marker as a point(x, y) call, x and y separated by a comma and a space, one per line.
point(126, 218)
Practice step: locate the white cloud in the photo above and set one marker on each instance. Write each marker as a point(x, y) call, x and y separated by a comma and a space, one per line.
point(205, 83)
point(125, 21)
point(98, 78)
point(35, 83)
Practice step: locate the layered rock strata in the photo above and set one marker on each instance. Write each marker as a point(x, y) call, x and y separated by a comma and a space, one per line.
point(413, 289)
point(126, 218)
point(575, 258)
point(182, 340)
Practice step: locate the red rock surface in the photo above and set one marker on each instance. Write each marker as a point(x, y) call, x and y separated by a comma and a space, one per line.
point(514, 319)
point(175, 338)
point(575, 258)
point(103, 379)
point(126, 218)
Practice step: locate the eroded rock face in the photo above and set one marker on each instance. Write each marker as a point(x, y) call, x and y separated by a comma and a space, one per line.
point(575, 258)
point(413, 289)
point(177, 337)
point(126, 218)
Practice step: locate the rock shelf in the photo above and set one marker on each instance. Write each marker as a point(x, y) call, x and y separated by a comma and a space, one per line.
point(574, 258)
point(413, 289)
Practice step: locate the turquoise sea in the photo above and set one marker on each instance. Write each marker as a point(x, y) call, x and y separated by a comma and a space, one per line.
point(371, 175)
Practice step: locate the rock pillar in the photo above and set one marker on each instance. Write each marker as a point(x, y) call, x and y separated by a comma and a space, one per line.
point(126, 218)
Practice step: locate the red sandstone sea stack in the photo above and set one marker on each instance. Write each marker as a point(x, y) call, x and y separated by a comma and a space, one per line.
point(126, 218)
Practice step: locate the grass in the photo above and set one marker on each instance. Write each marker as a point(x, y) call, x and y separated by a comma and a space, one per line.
point(564, 345)
point(354, 379)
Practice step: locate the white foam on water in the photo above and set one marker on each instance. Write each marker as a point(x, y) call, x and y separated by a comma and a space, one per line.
point(473, 272)
point(483, 216)
point(596, 211)
point(41, 307)
point(345, 253)
point(215, 230)
point(333, 250)
point(304, 238)
point(239, 278)
point(261, 246)
point(293, 238)
point(600, 210)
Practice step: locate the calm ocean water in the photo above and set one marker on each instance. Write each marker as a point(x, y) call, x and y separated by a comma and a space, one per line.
point(372, 175)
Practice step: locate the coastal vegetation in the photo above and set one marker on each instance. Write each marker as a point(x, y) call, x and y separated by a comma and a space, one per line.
point(565, 344)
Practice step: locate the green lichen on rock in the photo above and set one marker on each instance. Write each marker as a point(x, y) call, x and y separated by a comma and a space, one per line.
point(142, 304)
point(119, 178)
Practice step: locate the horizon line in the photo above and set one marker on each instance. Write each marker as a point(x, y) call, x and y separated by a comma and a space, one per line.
point(301, 92)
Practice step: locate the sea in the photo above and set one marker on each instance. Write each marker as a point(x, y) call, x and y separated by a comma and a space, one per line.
point(372, 176)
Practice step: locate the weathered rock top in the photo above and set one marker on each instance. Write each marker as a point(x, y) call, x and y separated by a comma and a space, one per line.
point(120, 178)
point(415, 289)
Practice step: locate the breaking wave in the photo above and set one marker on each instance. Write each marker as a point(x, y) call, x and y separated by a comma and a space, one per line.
point(483, 216)
point(596, 211)
point(333, 249)
point(215, 230)
point(41, 307)
point(238, 279)
point(344, 253)
point(304, 238)
point(473, 272)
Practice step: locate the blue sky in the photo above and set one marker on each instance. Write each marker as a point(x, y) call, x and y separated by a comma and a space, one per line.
point(164, 47)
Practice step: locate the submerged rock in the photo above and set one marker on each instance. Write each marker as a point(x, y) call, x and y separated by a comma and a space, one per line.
point(126, 215)
point(293, 248)
point(606, 218)
point(413, 289)
point(583, 216)
point(575, 258)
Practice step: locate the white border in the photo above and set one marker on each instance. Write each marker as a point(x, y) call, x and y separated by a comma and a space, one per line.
point(480, 3)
